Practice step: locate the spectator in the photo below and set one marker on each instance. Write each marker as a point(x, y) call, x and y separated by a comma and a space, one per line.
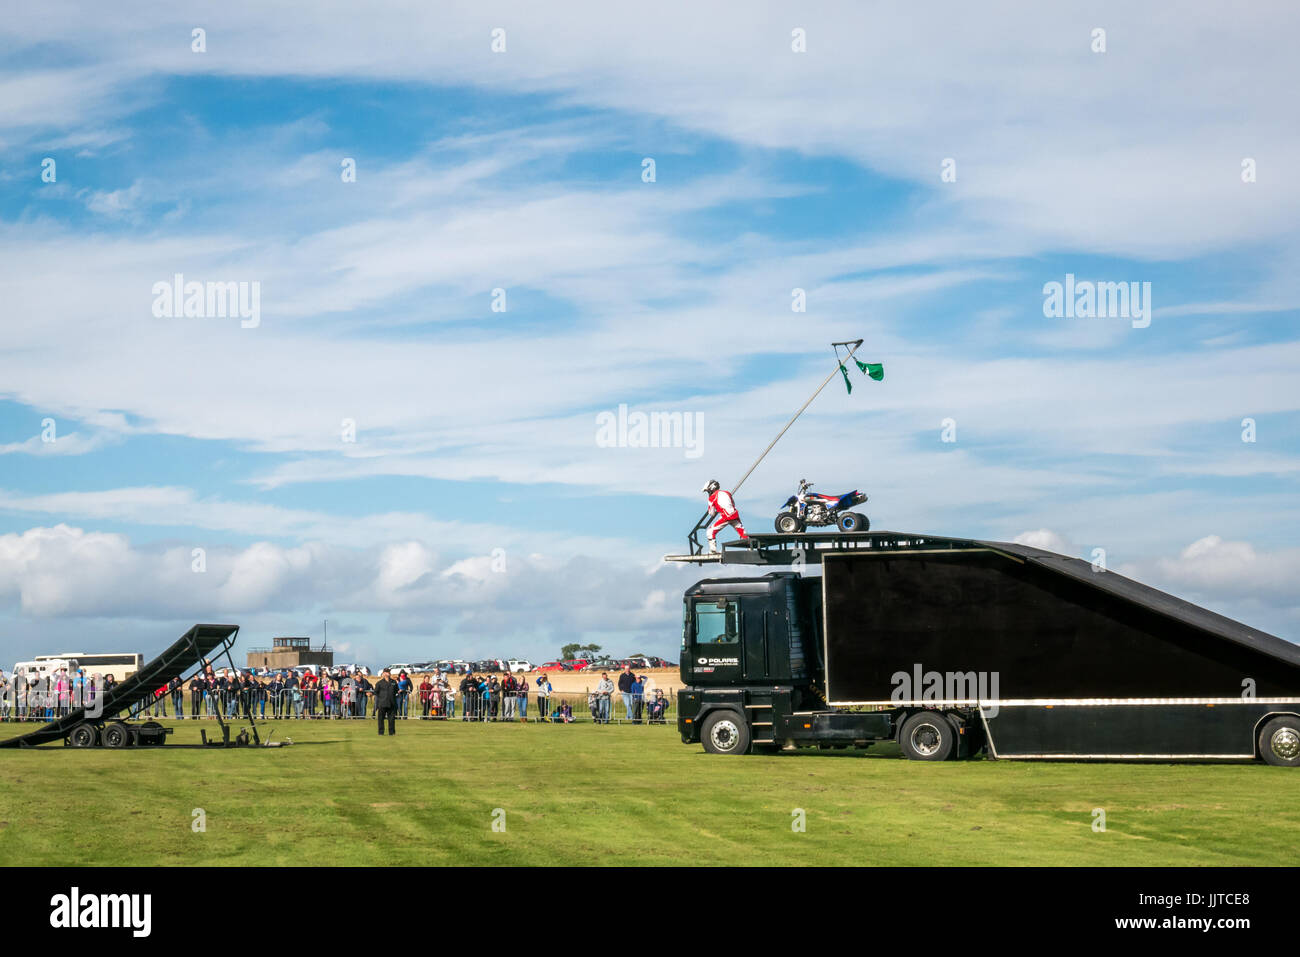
point(276, 693)
point(626, 680)
point(178, 697)
point(638, 698)
point(426, 697)
point(466, 696)
point(543, 694)
point(603, 691)
point(403, 693)
point(363, 694)
point(348, 692)
point(521, 689)
point(508, 700)
point(658, 707)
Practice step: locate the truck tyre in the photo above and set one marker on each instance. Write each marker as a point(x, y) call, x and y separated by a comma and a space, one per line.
point(117, 735)
point(1279, 742)
point(83, 736)
point(787, 524)
point(852, 522)
point(725, 732)
point(927, 736)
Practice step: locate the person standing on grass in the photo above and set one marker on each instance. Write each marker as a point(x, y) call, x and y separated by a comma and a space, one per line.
point(626, 681)
point(466, 696)
point(196, 696)
point(638, 697)
point(508, 700)
point(178, 698)
point(403, 693)
point(522, 691)
point(385, 695)
point(543, 695)
point(349, 693)
point(603, 704)
point(426, 696)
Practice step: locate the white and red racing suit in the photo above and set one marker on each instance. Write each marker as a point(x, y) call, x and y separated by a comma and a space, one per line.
point(724, 506)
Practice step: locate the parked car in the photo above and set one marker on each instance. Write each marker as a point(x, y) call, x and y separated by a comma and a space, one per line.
point(519, 664)
point(555, 666)
point(578, 664)
point(408, 668)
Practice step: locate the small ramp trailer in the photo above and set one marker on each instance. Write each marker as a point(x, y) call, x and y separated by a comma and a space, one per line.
point(98, 724)
point(952, 646)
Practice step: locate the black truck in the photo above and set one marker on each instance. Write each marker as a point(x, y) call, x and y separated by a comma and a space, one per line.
point(954, 647)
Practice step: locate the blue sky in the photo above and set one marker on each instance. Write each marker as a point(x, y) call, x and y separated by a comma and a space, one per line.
point(475, 513)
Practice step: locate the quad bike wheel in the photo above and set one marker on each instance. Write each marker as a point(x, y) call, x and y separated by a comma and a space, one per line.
point(788, 524)
point(853, 522)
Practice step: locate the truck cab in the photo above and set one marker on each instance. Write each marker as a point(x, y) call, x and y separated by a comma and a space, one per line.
point(752, 669)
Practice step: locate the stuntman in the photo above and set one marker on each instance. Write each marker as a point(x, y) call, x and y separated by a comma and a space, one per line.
point(724, 506)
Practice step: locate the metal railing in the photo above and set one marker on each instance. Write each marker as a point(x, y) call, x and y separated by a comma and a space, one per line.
point(312, 704)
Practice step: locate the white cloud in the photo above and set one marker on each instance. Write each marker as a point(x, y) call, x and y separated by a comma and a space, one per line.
point(1046, 539)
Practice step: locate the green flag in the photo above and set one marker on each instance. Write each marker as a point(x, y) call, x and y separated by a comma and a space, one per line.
point(847, 384)
point(874, 369)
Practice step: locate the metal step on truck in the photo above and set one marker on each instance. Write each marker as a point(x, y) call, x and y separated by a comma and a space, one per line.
point(954, 648)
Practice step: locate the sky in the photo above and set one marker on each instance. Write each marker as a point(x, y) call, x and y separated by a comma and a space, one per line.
point(466, 232)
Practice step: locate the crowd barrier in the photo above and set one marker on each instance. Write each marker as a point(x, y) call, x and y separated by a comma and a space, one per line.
point(37, 705)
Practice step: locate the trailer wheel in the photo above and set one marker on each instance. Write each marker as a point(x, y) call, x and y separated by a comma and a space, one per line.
point(927, 736)
point(1279, 742)
point(787, 524)
point(725, 732)
point(117, 735)
point(83, 736)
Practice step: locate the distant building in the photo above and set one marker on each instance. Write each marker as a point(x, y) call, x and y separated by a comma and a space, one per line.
point(287, 652)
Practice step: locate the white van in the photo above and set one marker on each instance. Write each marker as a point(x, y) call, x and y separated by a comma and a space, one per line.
point(45, 668)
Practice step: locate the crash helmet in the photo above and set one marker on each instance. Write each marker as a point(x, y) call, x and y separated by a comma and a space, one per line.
point(711, 487)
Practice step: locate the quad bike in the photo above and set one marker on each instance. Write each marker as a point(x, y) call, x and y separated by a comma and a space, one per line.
point(806, 508)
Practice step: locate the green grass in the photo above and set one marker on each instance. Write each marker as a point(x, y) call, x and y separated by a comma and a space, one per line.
point(610, 795)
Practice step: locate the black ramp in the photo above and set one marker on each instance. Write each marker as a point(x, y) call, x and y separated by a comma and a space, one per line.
point(1048, 627)
point(188, 650)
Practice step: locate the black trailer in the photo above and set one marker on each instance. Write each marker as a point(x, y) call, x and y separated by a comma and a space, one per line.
point(98, 722)
point(952, 647)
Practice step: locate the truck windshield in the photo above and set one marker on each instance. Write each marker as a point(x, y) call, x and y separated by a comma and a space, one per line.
point(715, 623)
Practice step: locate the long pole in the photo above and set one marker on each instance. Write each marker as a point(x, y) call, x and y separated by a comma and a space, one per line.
point(853, 346)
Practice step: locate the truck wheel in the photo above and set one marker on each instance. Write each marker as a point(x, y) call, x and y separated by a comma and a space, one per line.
point(852, 522)
point(83, 736)
point(1279, 742)
point(927, 736)
point(117, 735)
point(725, 732)
point(787, 524)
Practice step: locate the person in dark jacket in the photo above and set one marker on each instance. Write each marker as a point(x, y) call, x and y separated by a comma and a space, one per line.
point(385, 695)
point(178, 697)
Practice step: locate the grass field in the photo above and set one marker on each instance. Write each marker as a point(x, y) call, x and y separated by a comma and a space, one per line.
point(611, 795)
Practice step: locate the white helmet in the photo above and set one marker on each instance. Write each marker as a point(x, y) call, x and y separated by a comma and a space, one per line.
point(711, 487)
